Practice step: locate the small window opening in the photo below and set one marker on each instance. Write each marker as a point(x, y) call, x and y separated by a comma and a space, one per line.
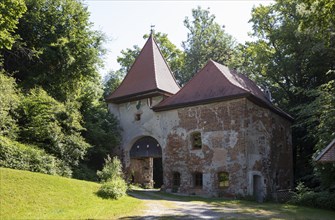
point(137, 117)
point(197, 179)
point(149, 102)
point(196, 140)
point(176, 179)
point(223, 179)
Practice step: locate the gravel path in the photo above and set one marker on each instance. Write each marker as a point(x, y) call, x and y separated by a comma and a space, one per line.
point(158, 206)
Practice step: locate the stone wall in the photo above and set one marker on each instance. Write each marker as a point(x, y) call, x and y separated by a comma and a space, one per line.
point(268, 149)
point(238, 137)
point(141, 171)
point(223, 141)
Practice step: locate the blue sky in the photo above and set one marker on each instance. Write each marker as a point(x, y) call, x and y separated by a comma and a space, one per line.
point(125, 22)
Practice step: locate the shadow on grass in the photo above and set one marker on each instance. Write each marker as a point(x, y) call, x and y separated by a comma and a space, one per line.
point(158, 217)
point(195, 207)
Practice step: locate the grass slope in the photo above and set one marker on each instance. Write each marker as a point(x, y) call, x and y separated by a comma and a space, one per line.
point(27, 195)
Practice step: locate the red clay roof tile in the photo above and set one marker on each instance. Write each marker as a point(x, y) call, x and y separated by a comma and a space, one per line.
point(148, 75)
point(213, 83)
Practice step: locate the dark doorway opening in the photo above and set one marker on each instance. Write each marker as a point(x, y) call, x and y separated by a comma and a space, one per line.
point(158, 172)
point(258, 191)
point(146, 162)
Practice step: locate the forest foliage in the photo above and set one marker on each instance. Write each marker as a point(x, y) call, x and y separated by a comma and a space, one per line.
point(50, 88)
point(51, 93)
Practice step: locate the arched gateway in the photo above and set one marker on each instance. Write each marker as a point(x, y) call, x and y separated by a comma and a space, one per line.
point(146, 162)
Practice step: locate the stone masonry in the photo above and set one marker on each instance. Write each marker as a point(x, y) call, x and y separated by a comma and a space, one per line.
point(219, 135)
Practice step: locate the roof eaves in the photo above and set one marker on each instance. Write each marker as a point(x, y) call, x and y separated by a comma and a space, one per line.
point(198, 102)
point(137, 96)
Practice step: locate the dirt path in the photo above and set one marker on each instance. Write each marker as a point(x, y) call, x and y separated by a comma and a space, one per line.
point(158, 206)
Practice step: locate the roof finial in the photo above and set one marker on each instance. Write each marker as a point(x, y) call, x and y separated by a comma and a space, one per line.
point(152, 29)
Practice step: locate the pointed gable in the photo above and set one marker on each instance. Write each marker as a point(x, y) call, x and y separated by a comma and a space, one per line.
point(148, 76)
point(213, 83)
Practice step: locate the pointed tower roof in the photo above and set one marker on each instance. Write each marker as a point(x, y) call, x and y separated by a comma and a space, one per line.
point(213, 83)
point(148, 76)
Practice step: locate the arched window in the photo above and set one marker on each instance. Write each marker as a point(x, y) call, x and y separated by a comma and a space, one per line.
point(176, 179)
point(223, 178)
point(196, 140)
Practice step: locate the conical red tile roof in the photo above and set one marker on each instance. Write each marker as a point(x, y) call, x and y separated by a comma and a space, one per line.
point(148, 76)
point(216, 82)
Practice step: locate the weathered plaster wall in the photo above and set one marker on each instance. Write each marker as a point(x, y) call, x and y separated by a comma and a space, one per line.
point(269, 149)
point(141, 171)
point(222, 130)
point(156, 125)
point(238, 136)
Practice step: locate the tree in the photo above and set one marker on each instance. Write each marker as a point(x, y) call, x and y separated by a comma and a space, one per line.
point(127, 58)
point(103, 132)
point(57, 48)
point(9, 102)
point(53, 126)
point(11, 11)
point(292, 61)
point(318, 117)
point(112, 80)
point(206, 40)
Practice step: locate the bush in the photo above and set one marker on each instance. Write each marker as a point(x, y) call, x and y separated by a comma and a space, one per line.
point(113, 189)
point(305, 197)
point(111, 170)
point(19, 156)
point(113, 185)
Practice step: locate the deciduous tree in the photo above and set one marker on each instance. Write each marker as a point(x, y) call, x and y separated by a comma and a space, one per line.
point(206, 40)
point(57, 48)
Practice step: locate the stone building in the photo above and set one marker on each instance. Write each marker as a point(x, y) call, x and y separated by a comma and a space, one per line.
point(219, 135)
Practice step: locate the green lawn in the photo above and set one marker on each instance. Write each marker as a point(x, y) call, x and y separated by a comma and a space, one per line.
point(27, 195)
point(248, 209)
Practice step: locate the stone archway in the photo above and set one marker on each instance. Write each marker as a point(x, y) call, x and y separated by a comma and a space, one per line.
point(146, 162)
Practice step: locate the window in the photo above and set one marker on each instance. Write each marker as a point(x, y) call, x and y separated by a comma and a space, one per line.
point(176, 179)
point(196, 140)
point(149, 102)
point(223, 179)
point(137, 117)
point(197, 179)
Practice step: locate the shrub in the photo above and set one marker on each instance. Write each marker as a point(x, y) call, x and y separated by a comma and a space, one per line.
point(111, 170)
point(113, 189)
point(19, 156)
point(305, 197)
point(9, 102)
point(113, 185)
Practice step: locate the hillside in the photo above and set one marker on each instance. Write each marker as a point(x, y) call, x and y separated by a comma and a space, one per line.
point(29, 195)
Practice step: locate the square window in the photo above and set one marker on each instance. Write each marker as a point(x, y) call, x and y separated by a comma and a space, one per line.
point(196, 140)
point(137, 117)
point(223, 179)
